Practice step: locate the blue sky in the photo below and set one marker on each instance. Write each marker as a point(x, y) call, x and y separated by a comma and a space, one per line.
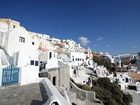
point(107, 25)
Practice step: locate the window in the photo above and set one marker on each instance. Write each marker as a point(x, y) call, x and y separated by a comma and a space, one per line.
point(54, 80)
point(126, 79)
point(36, 63)
point(78, 59)
point(32, 62)
point(50, 55)
point(73, 59)
point(22, 39)
point(74, 72)
point(14, 26)
point(33, 43)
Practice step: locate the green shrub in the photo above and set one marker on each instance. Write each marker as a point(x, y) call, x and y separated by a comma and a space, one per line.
point(127, 99)
point(112, 102)
point(110, 93)
point(104, 83)
point(100, 60)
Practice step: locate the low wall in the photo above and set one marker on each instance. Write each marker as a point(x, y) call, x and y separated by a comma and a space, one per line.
point(28, 74)
point(83, 94)
point(53, 94)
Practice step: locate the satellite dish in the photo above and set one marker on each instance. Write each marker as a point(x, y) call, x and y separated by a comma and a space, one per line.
point(3, 27)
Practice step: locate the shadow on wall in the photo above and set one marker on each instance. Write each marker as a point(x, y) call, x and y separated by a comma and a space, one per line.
point(43, 93)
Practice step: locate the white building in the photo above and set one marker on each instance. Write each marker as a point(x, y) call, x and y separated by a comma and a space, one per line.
point(24, 55)
point(25, 50)
point(109, 56)
point(122, 79)
point(77, 57)
point(101, 71)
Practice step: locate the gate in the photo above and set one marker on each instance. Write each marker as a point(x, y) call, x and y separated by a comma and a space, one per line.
point(10, 75)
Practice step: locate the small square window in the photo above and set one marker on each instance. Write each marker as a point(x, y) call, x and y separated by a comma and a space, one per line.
point(36, 63)
point(22, 39)
point(32, 62)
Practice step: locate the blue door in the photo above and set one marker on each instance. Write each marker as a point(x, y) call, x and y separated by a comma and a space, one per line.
point(10, 75)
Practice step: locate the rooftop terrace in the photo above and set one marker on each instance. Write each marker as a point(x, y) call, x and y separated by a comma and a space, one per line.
point(32, 94)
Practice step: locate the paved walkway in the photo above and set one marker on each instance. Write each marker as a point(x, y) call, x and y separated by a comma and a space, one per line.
point(32, 94)
point(136, 97)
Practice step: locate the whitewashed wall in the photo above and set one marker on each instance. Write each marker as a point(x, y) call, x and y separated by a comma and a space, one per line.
point(77, 55)
point(29, 74)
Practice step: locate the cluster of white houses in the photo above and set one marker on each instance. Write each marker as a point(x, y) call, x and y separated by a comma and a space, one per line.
point(28, 50)
point(26, 56)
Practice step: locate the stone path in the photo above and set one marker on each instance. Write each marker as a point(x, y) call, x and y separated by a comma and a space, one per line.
point(32, 94)
point(136, 97)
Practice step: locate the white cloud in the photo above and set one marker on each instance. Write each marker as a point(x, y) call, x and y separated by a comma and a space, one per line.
point(84, 41)
point(100, 38)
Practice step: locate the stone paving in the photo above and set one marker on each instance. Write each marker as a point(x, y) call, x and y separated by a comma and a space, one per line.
point(32, 94)
point(136, 97)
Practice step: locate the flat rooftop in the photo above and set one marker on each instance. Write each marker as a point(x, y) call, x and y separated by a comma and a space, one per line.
point(135, 76)
point(32, 94)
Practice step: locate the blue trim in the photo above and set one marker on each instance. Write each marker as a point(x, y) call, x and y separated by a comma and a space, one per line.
point(10, 75)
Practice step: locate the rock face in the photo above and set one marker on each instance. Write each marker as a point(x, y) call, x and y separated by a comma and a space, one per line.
point(32, 94)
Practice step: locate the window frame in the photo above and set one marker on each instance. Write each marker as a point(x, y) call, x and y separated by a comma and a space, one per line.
point(36, 63)
point(22, 39)
point(32, 62)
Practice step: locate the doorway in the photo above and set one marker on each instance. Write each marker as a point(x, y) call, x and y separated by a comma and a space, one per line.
point(54, 80)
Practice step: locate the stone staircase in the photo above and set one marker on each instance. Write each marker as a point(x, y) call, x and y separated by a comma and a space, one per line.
point(72, 96)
